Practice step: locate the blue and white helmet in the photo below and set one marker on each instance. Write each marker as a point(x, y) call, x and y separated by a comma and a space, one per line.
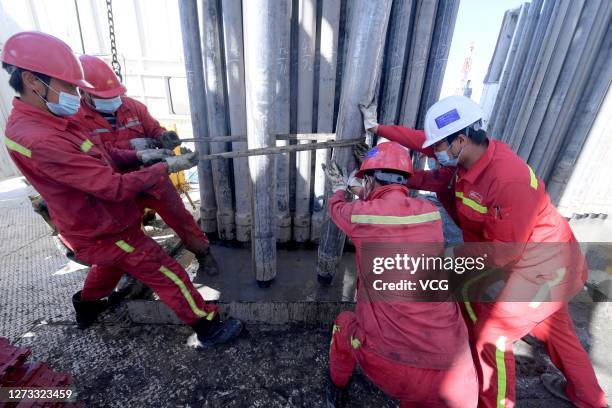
point(450, 115)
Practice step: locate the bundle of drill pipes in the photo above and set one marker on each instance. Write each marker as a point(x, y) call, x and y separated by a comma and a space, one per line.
point(275, 149)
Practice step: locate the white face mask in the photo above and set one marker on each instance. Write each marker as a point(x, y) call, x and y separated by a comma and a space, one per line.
point(444, 158)
point(107, 105)
point(67, 105)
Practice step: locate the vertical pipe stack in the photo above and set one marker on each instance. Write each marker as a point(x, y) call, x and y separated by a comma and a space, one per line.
point(301, 66)
point(396, 57)
point(572, 80)
point(359, 85)
point(552, 86)
point(329, 23)
point(234, 62)
point(545, 74)
point(527, 69)
point(417, 65)
point(501, 82)
point(190, 32)
point(504, 99)
point(438, 56)
point(261, 33)
point(307, 19)
point(217, 114)
point(283, 122)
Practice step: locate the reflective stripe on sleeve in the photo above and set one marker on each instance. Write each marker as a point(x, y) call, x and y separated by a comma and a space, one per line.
point(355, 343)
point(471, 203)
point(130, 124)
point(16, 147)
point(533, 182)
point(86, 145)
point(125, 246)
point(185, 292)
point(395, 220)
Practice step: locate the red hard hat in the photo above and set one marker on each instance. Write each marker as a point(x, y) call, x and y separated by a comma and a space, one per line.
point(45, 54)
point(387, 156)
point(103, 79)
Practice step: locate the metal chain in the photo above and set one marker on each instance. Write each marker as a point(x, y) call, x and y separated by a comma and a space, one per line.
point(111, 32)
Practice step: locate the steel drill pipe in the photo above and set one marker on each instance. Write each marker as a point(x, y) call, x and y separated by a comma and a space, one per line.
point(217, 113)
point(360, 82)
point(282, 108)
point(328, 48)
point(234, 65)
point(190, 31)
point(260, 36)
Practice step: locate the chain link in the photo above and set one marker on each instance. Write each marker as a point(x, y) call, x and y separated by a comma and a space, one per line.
point(111, 32)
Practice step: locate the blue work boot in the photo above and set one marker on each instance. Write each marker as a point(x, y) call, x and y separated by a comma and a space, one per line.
point(210, 333)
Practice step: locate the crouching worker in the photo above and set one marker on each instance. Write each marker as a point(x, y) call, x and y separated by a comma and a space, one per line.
point(120, 122)
point(416, 352)
point(92, 205)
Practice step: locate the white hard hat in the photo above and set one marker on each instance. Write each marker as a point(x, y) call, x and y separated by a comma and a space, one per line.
point(450, 115)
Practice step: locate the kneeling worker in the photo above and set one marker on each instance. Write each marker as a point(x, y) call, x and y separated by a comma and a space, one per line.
point(416, 352)
point(93, 205)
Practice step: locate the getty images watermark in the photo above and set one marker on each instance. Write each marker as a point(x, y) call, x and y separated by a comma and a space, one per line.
point(411, 265)
point(485, 272)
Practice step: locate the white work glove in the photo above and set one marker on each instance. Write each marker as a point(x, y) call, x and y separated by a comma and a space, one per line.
point(336, 177)
point(142, 143)
point(182, 162)
point(152, 156)
point(360, 150)
point(169, 139)
point(369, 115)
point(355, 184)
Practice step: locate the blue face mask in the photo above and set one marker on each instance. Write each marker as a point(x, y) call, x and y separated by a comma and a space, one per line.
point(107, 105)
point(445, 159)
point(67, 104)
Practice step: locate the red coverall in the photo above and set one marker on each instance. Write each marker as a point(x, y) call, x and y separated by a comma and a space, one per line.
point(417, 352)
point(132, 121)
point(93, 207)
point(500, 199)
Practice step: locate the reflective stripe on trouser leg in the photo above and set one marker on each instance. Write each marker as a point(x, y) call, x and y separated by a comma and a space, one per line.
point(500, 364)
point(185, 292)
point(342, 360)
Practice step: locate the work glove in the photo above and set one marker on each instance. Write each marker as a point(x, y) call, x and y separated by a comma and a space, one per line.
point(142, 143)
point(152, 156)
point(369, 114)
point(169, 139)
point(336, 177)
point(355, 184)
point(182, 162)
point(360, 150)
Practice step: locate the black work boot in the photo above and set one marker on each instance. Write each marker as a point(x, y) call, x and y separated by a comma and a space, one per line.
point(87, 311)
point(207, 266)
point(210, 333)
point(335, 397)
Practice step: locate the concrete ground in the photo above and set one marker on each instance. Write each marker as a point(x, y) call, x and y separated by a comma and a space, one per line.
point(119, 363)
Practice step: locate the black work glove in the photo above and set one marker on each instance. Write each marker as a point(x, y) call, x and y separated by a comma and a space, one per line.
point(169, 139)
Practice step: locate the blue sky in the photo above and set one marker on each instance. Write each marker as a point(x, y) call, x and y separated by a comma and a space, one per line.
point(478, 21)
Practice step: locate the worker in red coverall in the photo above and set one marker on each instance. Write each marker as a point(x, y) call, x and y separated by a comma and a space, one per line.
point(495, 197)
point(416, 352)
point(92, 205)
point(118, 121)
